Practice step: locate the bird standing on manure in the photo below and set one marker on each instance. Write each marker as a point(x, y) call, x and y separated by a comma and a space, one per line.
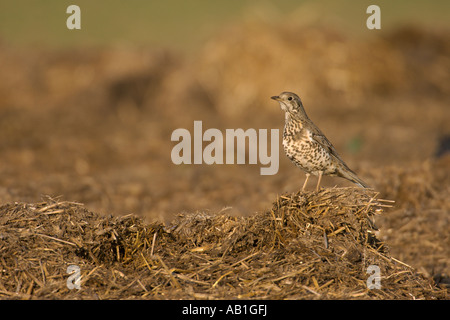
point(307, 147)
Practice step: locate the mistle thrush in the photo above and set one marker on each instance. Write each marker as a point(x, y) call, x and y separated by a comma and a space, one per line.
point(307, 147)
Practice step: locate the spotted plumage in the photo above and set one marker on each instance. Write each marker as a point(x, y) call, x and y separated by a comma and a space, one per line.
point(307, 147)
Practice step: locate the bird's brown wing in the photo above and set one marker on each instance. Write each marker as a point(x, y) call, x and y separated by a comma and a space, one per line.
point(322, 140)
point(342, 171)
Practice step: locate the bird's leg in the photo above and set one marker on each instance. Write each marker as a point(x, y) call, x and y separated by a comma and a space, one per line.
point(318, 181)
point(306, 181)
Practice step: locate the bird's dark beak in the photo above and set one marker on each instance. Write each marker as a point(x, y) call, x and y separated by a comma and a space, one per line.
point(277, 98)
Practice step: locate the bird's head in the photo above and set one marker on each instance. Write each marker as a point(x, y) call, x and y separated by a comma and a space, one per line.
point(290, 103)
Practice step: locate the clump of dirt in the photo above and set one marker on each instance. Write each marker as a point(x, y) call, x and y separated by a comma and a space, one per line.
point(311, 245)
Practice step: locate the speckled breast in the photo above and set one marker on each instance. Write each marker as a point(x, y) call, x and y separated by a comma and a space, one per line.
point(307, 154)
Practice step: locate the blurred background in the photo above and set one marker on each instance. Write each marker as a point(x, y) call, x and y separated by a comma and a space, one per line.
point(87, 115)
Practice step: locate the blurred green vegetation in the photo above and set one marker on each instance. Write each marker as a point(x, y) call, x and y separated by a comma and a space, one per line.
point(185, 24)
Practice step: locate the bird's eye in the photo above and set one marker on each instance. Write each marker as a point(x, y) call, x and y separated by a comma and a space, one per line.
point(290, 98)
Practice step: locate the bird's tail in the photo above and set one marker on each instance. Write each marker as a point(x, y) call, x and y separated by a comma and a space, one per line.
point(351, 176)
